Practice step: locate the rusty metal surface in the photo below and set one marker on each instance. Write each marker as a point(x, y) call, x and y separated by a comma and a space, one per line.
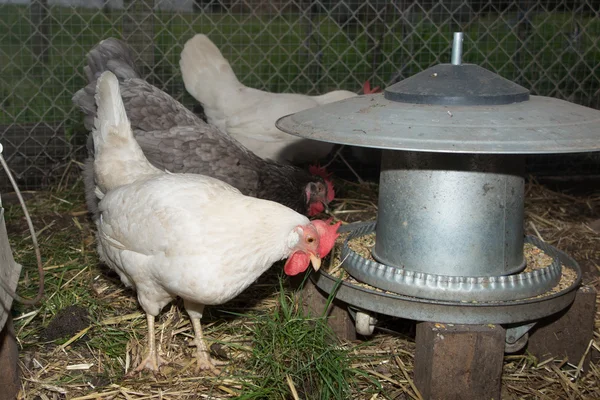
point(568, 333)
point(459, 361)
point(538, 126)
point(9, 271)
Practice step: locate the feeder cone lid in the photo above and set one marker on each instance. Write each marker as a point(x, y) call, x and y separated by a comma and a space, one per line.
point(453, 108)
point(457, 85)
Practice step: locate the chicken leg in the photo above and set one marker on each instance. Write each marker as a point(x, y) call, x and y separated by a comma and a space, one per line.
point(152, 361)
point(204, 361)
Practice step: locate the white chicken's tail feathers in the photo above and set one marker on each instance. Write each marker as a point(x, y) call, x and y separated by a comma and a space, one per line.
point(111, 110)
point(207, 75)
point(118, 159)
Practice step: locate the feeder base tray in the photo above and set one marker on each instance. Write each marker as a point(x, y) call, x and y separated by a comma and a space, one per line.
point(454, 312)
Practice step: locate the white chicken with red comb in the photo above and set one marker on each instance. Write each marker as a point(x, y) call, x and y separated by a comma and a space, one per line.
point(186, 235)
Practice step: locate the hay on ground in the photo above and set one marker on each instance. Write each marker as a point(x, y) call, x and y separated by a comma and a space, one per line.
point(90, 363)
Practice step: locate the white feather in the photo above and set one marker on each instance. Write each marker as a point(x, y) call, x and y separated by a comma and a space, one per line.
point(118, 158)
point(192, 236)
point(249, 114)
point(184, 235)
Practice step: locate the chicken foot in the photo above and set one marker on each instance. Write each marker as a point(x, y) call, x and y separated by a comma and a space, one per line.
point(153, 360)
point(204, 361)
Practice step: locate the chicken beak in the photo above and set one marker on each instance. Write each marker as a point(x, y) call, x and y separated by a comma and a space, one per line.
point(326, 207)
point(315, 261)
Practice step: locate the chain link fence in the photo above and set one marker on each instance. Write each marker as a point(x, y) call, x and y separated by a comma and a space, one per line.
point(303, 46)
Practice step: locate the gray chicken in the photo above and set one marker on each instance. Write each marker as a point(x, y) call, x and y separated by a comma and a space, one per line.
point(176, 140)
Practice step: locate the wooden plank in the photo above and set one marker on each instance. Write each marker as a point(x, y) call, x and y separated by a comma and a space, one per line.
point(455, 362)
point(314, 302)
point(567, 333)
point(9, 272)
point(9, 355)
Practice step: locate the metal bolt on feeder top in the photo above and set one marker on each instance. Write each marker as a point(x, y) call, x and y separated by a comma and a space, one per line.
point(457, 45)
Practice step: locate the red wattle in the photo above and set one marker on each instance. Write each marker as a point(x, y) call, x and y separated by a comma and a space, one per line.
point(296, 263)
point(315, 208)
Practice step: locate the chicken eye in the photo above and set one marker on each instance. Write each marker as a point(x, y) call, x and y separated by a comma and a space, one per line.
point(310, 239)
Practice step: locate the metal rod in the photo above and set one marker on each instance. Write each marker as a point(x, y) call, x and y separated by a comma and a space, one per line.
point(457, 45)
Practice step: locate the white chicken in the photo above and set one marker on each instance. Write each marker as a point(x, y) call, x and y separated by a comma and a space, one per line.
point(186, 235)
point(248, 114)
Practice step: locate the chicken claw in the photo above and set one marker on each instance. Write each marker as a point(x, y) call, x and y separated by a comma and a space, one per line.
point(203, 360)
point(206, 364)
point(153, 360)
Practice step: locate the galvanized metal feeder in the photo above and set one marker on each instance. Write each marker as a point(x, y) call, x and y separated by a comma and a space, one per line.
point(449, 233)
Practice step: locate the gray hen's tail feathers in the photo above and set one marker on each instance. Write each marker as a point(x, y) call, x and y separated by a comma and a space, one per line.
point(109, 55)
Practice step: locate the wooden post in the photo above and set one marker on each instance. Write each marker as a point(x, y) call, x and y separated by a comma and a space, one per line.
point(40, 40)
point(9, 355)
point(455, 362)
point(314, 301)
point(567, 333)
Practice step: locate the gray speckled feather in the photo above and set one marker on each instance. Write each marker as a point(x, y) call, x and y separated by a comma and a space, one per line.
point(175, 139)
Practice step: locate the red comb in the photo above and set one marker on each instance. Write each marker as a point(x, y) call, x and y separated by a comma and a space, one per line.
point(327, 235)
point(318, 171)
point(330, 191)
point(367, 88)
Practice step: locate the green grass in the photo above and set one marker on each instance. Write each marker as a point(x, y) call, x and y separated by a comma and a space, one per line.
point(289, 346)
point(70, 262)
point(267, 53)
point(267, 341)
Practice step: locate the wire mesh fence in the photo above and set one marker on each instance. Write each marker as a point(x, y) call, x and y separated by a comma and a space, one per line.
point(302, 46)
